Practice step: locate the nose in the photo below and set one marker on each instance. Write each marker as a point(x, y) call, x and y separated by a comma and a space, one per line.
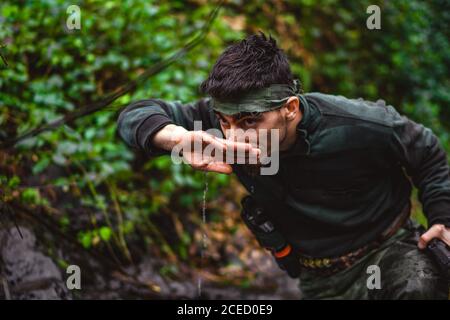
point(231, 133)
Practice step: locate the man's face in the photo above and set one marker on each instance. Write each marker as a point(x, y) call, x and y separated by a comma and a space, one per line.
point(254, 129)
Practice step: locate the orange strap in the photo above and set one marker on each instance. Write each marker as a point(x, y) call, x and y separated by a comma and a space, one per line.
point(284, 252)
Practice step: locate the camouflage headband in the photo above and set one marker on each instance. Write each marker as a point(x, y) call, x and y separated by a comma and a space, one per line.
point(260, 100)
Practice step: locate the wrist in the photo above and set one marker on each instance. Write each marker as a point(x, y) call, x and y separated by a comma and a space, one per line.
point(176, 135)
point(169, 136)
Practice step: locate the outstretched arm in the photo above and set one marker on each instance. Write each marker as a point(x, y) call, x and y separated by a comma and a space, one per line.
point(140, 121)
point(156, 127)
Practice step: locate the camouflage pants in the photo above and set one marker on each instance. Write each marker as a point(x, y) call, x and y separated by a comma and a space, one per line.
point(405, 273)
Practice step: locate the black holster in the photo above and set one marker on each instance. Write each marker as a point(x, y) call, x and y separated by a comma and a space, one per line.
point(256, 219)
point(438, 251)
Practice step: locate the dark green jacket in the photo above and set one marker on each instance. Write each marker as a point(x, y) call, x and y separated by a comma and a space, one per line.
point(345, 180)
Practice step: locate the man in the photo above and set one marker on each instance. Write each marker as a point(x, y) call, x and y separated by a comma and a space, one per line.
point(340, 201)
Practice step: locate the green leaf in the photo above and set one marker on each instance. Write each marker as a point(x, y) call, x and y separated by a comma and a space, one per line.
point(41, 165)
point(85, 239)
point(14, 182)
point(30, 195)
point(105, 233)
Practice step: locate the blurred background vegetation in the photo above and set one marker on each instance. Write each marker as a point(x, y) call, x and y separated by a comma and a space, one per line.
point(82, 181)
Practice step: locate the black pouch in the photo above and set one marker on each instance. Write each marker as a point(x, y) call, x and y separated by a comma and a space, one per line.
point(268, 237)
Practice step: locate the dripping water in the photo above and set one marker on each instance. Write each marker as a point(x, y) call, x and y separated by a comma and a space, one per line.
point(204, 236)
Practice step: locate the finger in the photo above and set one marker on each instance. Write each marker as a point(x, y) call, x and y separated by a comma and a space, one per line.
point(217, 143)
point(239, 146)
point(223, 145)
point(434, 232)
point(446, 236)
point(218, 167)
point(199, 165)
point(224, 150)
point(442, 233)
point(241, 150)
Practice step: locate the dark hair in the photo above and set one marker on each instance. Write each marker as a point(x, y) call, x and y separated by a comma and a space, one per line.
point(253, 63)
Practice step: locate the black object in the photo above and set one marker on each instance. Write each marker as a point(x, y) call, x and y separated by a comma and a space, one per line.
point(290, 264)
point(269, 238)
point(436, 248)
point(441, 254)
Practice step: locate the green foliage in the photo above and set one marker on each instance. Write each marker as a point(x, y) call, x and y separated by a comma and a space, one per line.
point(53, 71)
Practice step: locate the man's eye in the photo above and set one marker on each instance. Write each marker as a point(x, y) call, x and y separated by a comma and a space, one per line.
point(223, 122)
point(250, 122)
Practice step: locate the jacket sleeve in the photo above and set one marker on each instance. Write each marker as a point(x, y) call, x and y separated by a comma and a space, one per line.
point(425, 161)
point(139, 121)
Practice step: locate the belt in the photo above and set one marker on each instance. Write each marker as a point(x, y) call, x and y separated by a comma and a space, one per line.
point(332, 265)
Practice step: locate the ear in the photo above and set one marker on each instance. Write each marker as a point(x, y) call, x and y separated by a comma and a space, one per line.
point(292, 108)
